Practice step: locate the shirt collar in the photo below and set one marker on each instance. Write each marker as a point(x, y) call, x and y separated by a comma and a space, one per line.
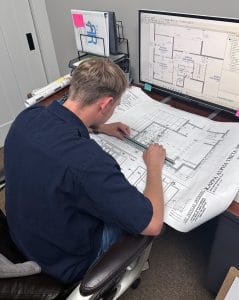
point(69, 117)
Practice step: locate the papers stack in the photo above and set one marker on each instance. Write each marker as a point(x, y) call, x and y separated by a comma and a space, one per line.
point(48, 90)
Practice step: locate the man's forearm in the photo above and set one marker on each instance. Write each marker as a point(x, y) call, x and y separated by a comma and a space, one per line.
point(154, 192)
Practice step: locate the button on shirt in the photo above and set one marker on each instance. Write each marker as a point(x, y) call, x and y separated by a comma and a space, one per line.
point(61, 187)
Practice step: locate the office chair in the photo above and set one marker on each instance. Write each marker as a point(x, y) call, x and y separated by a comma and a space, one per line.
point(118, 269)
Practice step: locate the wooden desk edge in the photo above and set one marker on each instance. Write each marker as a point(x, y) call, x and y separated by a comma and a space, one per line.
point(234, 208)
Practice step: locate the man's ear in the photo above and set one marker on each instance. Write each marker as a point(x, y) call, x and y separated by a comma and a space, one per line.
point(105, 103)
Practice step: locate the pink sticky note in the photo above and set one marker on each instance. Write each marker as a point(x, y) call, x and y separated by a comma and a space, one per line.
point(78, 20)
point(237, 113)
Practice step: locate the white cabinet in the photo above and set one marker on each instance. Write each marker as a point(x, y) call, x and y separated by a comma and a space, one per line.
point(21, 65)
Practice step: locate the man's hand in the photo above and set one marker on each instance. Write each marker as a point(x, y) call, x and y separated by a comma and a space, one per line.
point(117, 129)
point(154, 157)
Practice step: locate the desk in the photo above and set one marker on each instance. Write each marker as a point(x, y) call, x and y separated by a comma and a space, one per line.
point(55, 96)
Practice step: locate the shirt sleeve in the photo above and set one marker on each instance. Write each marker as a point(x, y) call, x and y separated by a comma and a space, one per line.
point(111, 197)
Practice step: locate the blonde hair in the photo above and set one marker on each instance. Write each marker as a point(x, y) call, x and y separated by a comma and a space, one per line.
point(95, 78)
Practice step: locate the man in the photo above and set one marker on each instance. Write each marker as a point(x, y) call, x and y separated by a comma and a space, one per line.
point(66, 199)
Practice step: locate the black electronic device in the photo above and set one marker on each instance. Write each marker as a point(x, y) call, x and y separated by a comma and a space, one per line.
point(195, 58)
point(113, 33)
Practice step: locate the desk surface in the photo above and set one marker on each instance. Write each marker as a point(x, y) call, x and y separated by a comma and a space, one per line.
point(196, 109)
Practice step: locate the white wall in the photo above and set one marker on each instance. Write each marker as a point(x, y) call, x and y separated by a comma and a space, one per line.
point(127, 11)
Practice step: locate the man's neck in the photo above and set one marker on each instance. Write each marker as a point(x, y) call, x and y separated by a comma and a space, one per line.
point(86, 113)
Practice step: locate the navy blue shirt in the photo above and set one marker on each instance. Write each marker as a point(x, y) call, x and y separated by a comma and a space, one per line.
point(61, 187)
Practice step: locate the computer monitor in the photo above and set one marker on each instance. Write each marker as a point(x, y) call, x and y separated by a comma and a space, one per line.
point(192, 57)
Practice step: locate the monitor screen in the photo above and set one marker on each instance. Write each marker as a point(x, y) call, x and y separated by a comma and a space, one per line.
point(192, 57)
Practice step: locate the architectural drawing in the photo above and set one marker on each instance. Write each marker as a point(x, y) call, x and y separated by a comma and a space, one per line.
point(200, 184)
point(181, 138)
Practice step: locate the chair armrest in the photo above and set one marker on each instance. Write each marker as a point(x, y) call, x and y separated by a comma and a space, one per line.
point(113, 262)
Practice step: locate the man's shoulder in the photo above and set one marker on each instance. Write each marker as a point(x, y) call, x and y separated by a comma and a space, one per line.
point(29, 112)
point(33, 109)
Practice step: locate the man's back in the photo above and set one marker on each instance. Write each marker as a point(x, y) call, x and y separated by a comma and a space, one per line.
point(43, 166)
point(55, 214)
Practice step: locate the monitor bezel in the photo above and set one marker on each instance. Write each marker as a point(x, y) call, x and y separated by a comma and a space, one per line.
point(181, 96)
